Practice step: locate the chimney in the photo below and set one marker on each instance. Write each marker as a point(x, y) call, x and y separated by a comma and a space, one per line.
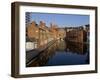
point(42, 24)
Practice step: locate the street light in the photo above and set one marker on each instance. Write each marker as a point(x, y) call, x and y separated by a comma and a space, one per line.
point(36, 31)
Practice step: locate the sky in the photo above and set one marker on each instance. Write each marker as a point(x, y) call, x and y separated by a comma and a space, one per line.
point(62, 20)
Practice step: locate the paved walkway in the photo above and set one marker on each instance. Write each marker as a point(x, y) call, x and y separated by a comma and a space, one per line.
point(30, 55)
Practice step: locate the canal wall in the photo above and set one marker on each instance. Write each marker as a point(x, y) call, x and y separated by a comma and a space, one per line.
point(30, 55)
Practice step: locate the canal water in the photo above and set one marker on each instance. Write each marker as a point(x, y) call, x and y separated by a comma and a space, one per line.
point(63, 53)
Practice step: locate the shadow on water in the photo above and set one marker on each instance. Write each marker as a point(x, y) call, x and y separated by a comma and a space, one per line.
point(63, 53)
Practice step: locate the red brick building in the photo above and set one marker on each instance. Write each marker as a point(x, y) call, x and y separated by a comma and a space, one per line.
point(76, 35)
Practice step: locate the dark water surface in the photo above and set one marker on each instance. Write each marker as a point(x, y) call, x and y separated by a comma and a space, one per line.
point(63, 53)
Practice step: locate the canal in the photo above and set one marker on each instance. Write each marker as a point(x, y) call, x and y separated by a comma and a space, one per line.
point(63, 53)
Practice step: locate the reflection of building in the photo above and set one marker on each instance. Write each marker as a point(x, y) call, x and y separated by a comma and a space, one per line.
point(79, 48)
point(74, 47)
point(61, 47)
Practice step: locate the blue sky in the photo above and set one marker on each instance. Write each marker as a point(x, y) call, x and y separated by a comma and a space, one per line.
point(62, 20)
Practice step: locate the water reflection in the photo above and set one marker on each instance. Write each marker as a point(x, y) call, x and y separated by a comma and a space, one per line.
point(63, 53)
point(79, 48)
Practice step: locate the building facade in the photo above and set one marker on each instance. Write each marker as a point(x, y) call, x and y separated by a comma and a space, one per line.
point(40, 34)
point(76, 35)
